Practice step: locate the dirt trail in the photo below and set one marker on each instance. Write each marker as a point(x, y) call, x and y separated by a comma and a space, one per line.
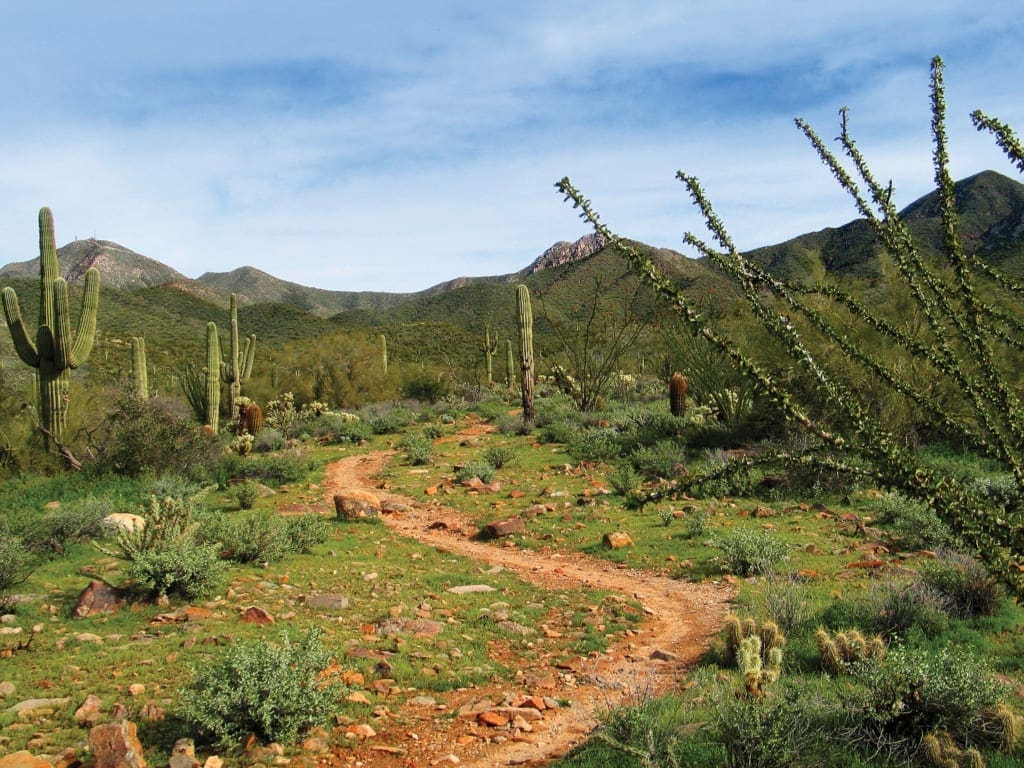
point(680, 621)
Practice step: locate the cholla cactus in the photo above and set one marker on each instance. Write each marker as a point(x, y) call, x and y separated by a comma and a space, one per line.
point(758, 666)
point(841, 652)
point(940, 751)
point(769, 636)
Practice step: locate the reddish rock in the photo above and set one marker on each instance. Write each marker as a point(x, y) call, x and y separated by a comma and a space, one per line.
point(116, 746)
point(617, 540)
point(89, 713)
point(98, 598)
point(505, 527)
point(258, 616)
point(354, 504)
point(23, 759)
point(492, 719)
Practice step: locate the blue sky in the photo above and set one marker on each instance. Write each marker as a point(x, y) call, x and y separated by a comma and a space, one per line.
point(392, 147)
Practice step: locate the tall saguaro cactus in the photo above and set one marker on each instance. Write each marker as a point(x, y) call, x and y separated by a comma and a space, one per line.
point(54, 352)
point(510, 365)
point(140, 378)
point(212, 371)
point(240, 358)
point(490, 347)
point(524, 315)
point(384, 352)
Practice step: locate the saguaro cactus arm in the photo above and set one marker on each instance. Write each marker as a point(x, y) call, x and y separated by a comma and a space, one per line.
point(86, 320)
point(23, 345)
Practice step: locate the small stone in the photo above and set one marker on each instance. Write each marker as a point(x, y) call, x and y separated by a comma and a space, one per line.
point(151, 713)
point(664, 656)
point(88, 714)
point(6, 688)
point(505, 527)
point(466, 589)
point(88, 637)
point(213, 762)
point(617, 540)
point(361, 731)
point(124, 521)
point(358, 697)
point(327, 602)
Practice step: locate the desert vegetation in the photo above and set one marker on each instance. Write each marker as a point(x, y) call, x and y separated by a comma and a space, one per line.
point(838, 452)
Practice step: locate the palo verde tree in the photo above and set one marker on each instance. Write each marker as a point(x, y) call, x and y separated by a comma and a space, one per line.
point(54, 353)
point(964, 341)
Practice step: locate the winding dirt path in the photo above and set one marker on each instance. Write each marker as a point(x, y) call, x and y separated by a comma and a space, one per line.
point(680, 620)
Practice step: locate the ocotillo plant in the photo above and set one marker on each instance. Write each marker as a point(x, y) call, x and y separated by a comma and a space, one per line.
point(677, 387)
point(524, 315)
point(961, 346)
point(140, 377)
point(53, 353)
point(239, 365)
point(213, 376)
point(490, 347)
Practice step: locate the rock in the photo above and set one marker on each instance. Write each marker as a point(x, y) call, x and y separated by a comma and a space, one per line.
point(354, 504)
point(88, 714)
point(116, 745)
point(24, 708)
point(391, 507)
point(23, 759)
point(327, 602)
point(98, 598)
point(664, 656)
point(6, 689)
point(182, 761)
point(88, 637)
point(124, 521)
point(505, 527)
point(466, 589)
point(362, 731)
point(617, 540)
point(492, 719)
point(357, 697)
point(258, 616)
point(417, 627)
point(213, 762)
point(136, 689)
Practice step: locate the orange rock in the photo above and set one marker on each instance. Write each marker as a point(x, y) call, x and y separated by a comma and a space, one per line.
point(256, 615)
point(492, 719)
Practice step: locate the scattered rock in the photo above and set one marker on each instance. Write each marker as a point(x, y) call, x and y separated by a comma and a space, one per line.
point(183, 754)
point(24, 709)
point(151, 713)
point(23, 759)
point(124, 521)
point(88, 637)
point(88, 714)
point(98, 598)
point(256, 615)
point(505, 527)
point(116, 745)
point(354, 504)
point(136, 689)
point(617, 540)
point(391, 507)
point(466, 589)
point(327, 602)
point(492, 719)
point(361, 731)
point(418, 627)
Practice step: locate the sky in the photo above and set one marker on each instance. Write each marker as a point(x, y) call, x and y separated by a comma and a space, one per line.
point(393, 145)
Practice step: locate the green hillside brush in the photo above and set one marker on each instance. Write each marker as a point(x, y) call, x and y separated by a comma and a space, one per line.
point(677, 387)
point(938, 750)
point(140, 377)
point(238, 368)
point(212, 372)
point(758, 666)
point(963, 344)
point(524, 317)
point(56, 350)
point(839, 653)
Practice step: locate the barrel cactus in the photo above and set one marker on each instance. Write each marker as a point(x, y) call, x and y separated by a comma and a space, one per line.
point(677, 387)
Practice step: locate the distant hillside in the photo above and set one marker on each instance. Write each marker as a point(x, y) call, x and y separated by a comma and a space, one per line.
point(119, 267)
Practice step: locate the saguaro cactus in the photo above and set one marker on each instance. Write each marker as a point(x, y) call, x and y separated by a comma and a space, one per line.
point(239, 365)
point(510, 365)
point(384, 352)
point(677, 387)
point(524, 314)
point(140, 377)
point(53, 353)
point(490, 347)
point(212, 371)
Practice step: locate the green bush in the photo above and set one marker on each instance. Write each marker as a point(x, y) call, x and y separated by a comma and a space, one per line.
point(255, 537)
point(341, 428)
point(748, 552)
point(418, 448)
point(389, 419)
point(913, 692)
point(268, 440)
point(663, 460)
point(273, 470)
point(757, 733)
point(624, 480)
point(273, 691)
point(965, 583)
point(478, 469)
point(246, 494)
point(55, 530)
point(913, 524)
point(307, 531)
point(594, 444)
point(696, 523)
point(894, 610)
point(16, 562)
point(499, 455)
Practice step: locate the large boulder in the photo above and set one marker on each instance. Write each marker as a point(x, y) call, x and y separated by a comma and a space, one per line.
point(355, 504)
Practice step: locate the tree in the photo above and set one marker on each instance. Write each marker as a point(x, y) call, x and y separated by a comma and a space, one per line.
point(964, 341)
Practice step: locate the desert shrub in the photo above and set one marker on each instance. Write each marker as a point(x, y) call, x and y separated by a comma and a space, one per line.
point(418, 448)
point(624, 479)
point(892, 609)
point(306, 531)
point(166, 557)
point(747, 552)
point(334, 427)
point(499, 455)
point(269, 439)
point(913, 525)
point(273, 691)
point(696, 523)
point(72, 523)
point(594, 444)
point(173, 486)
point(433, 431)
point(758, 733)
point(913, 692)
point(155, 435)
point(1002, 490)
point(426, 386)
point(389, 419)
point(272, 470)
point(479, 469)
point(254, 537)
point(969, 589)
point(16, 562)
point(246, 494)
point(650, 730)
point(663, 460)
point(786, 601)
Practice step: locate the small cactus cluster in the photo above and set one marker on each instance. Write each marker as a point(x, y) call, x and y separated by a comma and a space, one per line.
point(1002, 727)
point(737, 630)
point(677, 387)
point(758, 667)
point(841, 651)
point(938, 750)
